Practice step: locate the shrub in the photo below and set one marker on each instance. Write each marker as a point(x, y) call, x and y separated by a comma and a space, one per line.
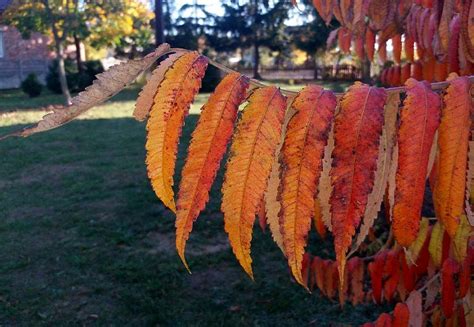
point(76, 81)
point(31, 86)
point(211, 79)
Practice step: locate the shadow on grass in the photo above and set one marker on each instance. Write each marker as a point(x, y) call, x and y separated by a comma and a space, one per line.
point(84, 240)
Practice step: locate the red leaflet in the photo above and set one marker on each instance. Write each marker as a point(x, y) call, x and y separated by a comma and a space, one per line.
point(401, 315)
point(376, 269)
point(450, 267)
point(370, 44)
point(419, 120)
point(391, 274)
point(355, 267)
point(384, 320)
point(357, 132)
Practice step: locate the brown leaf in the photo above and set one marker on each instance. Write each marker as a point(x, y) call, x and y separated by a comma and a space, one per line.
point(103, 88)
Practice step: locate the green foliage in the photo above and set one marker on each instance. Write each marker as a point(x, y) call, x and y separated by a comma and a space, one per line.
point(77, 81)
point(253, 22)
point(32, 86)
point(211, 79)
point(122, 24)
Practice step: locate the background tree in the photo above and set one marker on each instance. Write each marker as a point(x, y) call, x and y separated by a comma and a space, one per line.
point(311, 35)
point(123, 25)
point(253, 24)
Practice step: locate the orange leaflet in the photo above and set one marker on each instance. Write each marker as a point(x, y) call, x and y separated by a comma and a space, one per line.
point(419, 121)
point(170, 107)
point(357, 132)
point(248, 168)
point(318, 219)
point(301, 162)
point(453, 141)
point(397, 48)
point(208, 145)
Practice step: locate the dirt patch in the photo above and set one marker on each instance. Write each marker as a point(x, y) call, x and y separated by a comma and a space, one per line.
point(165, 243)
point(52, 174)
point(209, 278)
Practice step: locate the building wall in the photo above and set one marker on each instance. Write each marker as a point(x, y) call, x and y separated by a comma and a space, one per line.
point(22, 57)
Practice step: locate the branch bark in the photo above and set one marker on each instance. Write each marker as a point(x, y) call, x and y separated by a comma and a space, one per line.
point(58, 46)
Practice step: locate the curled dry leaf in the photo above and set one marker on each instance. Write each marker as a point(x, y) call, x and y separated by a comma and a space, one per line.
point(301, 162)
point(170, 107)
point(415, 306)
point(419, 120)
point(208, 145)
point(105, 86)
point(248, 168)
point(325, 187)
point(357, 131)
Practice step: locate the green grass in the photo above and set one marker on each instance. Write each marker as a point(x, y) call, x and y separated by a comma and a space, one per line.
point(84, 241)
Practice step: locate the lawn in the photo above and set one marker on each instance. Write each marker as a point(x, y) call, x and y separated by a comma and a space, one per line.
point(84, 240)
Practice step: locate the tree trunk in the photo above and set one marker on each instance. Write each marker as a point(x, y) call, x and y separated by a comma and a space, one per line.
point(366, 71)
point(159, 23)
point(77, 44)
point(62, 73)
point(315, 68)
point(256, 61)
point(59, 53)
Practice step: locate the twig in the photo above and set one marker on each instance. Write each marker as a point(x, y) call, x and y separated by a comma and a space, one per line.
point(399, 89)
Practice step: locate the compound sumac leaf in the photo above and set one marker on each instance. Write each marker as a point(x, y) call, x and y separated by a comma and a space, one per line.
point(301, 164)
point(419, 120)
point(357, 131)
point(248, 168)
point(170, 107)
point(208, 145)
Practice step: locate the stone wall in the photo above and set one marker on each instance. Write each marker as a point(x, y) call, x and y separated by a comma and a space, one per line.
point(22, 57)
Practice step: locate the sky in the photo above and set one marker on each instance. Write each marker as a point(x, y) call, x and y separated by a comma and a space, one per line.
point(214, 6)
